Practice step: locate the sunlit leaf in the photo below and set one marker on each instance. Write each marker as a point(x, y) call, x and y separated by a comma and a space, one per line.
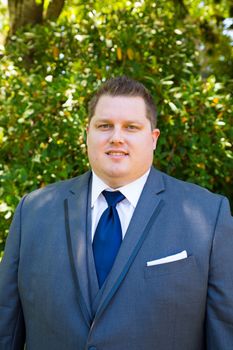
point(119, 53)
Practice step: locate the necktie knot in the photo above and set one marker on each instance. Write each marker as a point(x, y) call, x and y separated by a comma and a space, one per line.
point(113, 198)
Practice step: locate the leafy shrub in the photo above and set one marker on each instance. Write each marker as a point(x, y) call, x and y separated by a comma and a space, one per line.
point(48, 73)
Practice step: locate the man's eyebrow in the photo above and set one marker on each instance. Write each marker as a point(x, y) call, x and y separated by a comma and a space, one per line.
point(109, 120)
point(103, 120)
point(134, 121)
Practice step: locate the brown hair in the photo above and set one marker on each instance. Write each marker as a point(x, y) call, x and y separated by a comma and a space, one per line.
point(125, 86)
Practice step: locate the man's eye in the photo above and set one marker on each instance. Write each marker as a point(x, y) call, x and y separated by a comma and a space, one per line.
point(132, 127)
point(104, 126)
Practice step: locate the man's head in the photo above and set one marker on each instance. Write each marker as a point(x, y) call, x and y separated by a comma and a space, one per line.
point(124, 86)
point(121, 135)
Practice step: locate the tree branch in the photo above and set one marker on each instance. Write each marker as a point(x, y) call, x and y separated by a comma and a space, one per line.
point(54, 10)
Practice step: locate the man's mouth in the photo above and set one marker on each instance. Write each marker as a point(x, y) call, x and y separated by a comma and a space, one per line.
point(117, 153)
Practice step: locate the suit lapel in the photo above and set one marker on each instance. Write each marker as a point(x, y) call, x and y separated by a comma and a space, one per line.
point(75, 207)
point(146, 212)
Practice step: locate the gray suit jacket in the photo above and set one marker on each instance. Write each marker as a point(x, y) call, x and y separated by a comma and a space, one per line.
point(45, 288)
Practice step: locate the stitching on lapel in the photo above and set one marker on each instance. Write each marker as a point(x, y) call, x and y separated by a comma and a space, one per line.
point(130, 260)
point(79, 294)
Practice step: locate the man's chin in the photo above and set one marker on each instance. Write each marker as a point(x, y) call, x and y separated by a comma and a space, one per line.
point(117, 178)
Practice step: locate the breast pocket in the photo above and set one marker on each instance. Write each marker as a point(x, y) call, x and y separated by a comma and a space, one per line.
point(175, 267)
point(179, 282)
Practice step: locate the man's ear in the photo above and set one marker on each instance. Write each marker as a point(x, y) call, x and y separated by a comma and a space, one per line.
point(86, 131)
point(155, 136)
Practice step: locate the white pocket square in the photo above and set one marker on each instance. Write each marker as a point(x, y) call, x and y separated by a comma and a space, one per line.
point(168, 259)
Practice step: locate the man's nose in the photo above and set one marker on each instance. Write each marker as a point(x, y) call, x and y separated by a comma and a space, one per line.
point(117, 136)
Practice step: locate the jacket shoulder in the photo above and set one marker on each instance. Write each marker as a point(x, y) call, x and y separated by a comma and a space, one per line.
point(187, 190)
point(58, 189)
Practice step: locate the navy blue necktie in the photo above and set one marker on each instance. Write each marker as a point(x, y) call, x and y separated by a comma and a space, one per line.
point(108, 236)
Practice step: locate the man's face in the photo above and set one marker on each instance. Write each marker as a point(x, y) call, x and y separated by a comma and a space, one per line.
point(120, 140)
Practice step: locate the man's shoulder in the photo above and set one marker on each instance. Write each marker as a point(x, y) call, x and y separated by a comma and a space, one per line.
point(59, 188)
point(187, 190)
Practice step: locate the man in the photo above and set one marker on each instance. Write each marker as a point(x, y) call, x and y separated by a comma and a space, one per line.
point(67, 281)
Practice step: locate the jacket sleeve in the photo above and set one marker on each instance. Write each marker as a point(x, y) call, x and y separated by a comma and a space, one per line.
point(219, 311)
point(12, 328)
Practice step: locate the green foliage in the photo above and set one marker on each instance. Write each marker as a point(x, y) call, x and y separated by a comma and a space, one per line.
point(48, 74)
point(196, 139)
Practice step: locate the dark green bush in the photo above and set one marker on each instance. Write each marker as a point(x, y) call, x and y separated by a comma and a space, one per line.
point(48, 73)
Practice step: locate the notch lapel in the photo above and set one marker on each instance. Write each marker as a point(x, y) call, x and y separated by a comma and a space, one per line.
point(146, 212)
point(75, 207)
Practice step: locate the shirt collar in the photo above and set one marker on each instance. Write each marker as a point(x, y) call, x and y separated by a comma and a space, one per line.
point(131, 191)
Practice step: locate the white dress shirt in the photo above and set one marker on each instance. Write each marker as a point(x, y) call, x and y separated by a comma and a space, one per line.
point(125, 208)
